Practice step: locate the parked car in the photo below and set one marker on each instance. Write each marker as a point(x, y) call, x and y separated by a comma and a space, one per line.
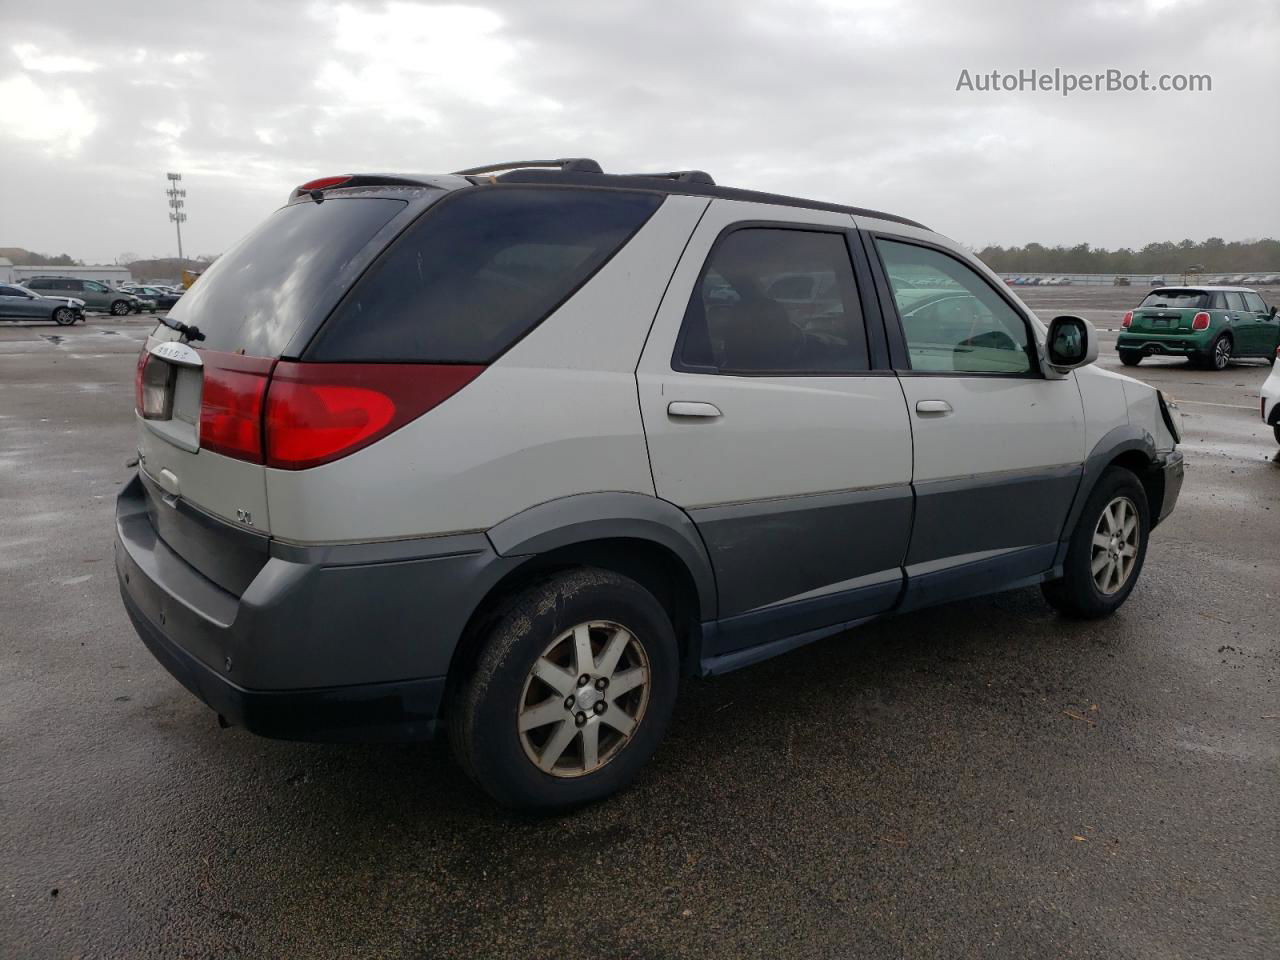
point(520, 469)
point(162, 298)
point(1271, 397)
point(1158, 281)
point(1208, 325)
point(1120, 282)
point(96, 296)
point(19, 303)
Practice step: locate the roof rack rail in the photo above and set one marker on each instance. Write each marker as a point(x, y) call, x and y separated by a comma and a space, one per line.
point(683, 176)
point(567, 164)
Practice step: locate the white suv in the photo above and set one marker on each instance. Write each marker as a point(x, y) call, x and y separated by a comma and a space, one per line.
point(508, 453)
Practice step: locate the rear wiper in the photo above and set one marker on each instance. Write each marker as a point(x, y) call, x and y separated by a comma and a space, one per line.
point(188, 330)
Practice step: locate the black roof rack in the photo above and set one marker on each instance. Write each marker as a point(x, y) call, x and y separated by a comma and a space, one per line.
point(688, 182)
point(567, 164)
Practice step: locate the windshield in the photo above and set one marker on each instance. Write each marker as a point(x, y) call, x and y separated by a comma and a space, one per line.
point(255, 296)
point(1175, 299)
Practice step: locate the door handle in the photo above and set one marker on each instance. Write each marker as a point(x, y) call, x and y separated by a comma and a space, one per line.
point(690, 408)
point(926, 407)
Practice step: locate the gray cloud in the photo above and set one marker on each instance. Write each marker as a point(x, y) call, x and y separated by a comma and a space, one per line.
point(853, 102)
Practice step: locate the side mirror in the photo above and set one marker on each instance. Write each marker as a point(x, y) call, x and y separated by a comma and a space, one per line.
point(1273, 311)
point(1072, 342)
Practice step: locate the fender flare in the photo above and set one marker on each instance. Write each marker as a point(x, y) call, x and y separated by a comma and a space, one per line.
point(584, 517)
point(1113, 443)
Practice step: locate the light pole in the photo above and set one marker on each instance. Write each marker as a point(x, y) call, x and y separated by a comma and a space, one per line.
point(176, 203)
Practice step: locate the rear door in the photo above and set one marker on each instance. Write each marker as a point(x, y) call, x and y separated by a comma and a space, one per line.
point(772, 419)
point(1239, 320)
point(998, 447)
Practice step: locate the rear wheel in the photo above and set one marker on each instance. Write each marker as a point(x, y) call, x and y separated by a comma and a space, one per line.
point(1106, 551)
point(571, 694)
point(119, 308)
point(64, 316)
point(1130, 358)
point(1220, 352)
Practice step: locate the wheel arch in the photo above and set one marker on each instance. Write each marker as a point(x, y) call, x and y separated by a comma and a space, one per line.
point(638, 536)
point(1128, 446)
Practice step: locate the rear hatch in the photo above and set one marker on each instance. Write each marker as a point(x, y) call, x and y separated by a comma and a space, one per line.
point(1168, 311)
point(202, 376)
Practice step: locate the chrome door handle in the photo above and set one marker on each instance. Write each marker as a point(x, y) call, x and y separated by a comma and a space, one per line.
point(932, 407)
point(690, 408)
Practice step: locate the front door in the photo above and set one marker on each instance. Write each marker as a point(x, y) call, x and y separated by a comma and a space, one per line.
point(998, 447)
point(768, 422)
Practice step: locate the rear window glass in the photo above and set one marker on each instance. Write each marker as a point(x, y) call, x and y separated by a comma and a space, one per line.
point(1175, 299)
point(478, 272)
point(256, 295)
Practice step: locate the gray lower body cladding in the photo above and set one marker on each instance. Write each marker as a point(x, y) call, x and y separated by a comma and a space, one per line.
point(319, 625)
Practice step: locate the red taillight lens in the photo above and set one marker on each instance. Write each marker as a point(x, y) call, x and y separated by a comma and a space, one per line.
point(1200, 321)
point(1127, 321)
point(231, 404)
point(319, 412)
point(324, 183)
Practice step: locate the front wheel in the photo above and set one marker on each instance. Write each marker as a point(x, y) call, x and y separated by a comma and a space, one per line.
point(571, 694)
point(1106, 550)
point(1276, 429)
point(119, 308)
point(64, 316)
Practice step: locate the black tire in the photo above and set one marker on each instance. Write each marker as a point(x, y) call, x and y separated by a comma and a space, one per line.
point(1220, 352)
point(1130, 358)
point(1076, 593)
point(482, 712)
point(119, 308)
point(64, 316)
point(1276, 430)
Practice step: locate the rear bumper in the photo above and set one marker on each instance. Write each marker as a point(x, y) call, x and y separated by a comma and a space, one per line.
point(1156, 344)
point(365, 712)
point(348, 642)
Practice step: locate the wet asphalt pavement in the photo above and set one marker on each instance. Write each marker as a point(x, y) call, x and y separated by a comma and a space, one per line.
point(983, 779)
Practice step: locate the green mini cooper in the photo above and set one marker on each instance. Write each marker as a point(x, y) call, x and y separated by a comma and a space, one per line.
point(1207, 325)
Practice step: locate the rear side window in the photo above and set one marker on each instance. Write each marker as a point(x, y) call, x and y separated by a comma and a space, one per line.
point(1235, 300)
point(1176, 299)
point(478, 272)
point(256, 295)
point(1254, 302)
point(775, 301)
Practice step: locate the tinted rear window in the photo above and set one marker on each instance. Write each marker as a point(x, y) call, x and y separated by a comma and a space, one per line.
point(1175, 299)
point(478, 272)
point(256, 295)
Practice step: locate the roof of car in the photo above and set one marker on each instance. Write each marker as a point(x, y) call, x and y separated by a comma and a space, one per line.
point(1209, 287)
point(584, 172)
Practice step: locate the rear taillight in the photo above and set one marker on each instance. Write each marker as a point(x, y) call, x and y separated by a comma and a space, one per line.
point(153, 388)
point(231, 404)
point(1200, 321)
point(319, 412)
point(1127, 320)
point(137, 380)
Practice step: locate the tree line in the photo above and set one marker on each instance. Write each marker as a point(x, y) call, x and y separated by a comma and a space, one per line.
point(1212, 255)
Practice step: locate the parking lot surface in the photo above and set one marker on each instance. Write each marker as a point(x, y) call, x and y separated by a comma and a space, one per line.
point(984, 779)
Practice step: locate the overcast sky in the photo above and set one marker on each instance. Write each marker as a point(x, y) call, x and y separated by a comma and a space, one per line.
point(851, 102)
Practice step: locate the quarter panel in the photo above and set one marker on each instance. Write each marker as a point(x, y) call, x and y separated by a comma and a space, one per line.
point(554, 416)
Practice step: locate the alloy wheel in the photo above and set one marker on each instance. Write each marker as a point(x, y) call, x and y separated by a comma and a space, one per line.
point(1115, 545)
point(1221, 353)
point(584, 699)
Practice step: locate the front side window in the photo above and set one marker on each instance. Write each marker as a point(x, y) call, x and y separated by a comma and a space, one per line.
point(953, 321)
point(775, 300)
point(1254, 302)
